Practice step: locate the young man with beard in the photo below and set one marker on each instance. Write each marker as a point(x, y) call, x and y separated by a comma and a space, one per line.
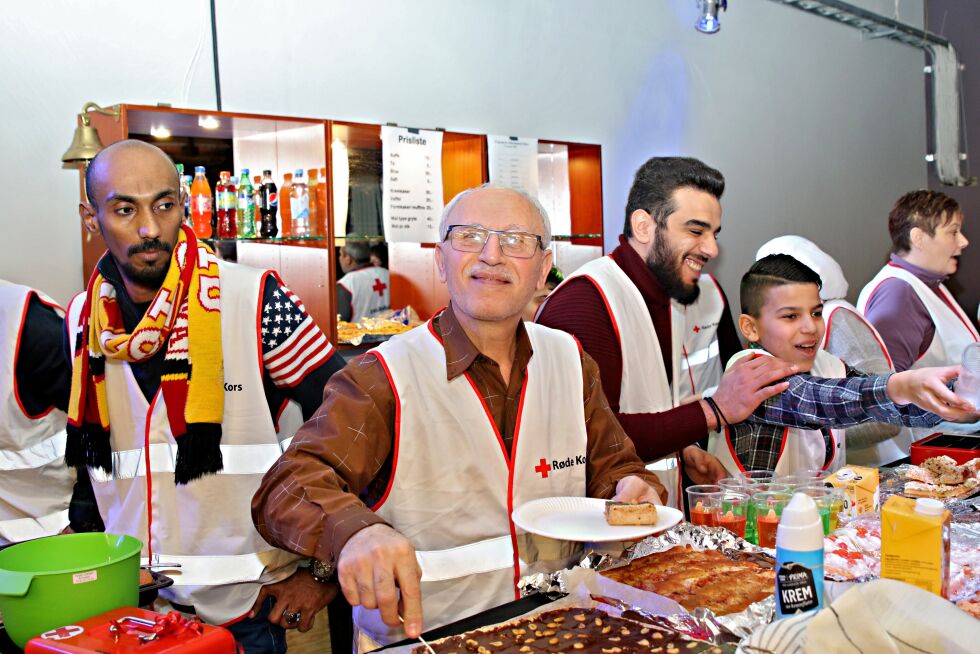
point(181, 365)
point(667, 327)
point(657, 301)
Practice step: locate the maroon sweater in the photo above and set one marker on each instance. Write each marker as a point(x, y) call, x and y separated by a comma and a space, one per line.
point(577, 308)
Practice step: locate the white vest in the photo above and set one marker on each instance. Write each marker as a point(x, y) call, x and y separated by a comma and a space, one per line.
point(205, 525)
point(852, 339)
point(453, 486)
point(802, 449)
point(694, 354)
point(35, 483)
point(368, 288)
point(954, 330)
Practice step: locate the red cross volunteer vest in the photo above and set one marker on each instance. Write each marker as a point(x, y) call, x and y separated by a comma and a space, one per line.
point(35, 483)
point(368, 288)
point(855, 341)
point(694, 354)
point(954, 331)
point(205, 525)
point(454, 485)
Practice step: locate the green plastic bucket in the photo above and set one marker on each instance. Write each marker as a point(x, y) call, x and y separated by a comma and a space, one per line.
point(52, 582)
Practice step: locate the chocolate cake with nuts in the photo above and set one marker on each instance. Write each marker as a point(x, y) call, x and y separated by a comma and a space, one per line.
point(577, 631)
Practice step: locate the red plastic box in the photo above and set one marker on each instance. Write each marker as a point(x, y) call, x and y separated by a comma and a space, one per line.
point(959, 447)
point(135, 631)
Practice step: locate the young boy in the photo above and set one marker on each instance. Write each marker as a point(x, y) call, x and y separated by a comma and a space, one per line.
point(782, 316)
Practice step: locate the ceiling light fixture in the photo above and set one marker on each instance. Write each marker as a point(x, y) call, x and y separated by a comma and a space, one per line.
point(159, 132)
point(208, 122)
point(708, 22)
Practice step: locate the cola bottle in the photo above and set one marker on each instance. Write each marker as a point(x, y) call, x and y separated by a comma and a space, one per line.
point(269, 206)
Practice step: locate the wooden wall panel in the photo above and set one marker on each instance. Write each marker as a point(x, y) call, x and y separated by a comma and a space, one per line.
point(585, 188)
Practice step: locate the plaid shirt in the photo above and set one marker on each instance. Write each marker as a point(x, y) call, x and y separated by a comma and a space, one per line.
point(819, 403)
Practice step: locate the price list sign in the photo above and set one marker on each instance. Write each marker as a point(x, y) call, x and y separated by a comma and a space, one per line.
point(514, 162)
point(412, 184)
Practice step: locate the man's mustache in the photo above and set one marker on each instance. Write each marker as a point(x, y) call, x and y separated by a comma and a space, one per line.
point(150, 246)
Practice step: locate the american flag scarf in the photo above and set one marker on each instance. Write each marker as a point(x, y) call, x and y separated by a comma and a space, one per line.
point(185, 316)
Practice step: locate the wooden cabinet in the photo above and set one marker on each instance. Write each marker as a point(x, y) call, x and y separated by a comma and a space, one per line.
point(347, 157)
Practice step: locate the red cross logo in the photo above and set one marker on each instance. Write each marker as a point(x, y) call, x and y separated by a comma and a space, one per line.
point(543, 468)
point(62, 633)
point(379, 286)
point(696, 329)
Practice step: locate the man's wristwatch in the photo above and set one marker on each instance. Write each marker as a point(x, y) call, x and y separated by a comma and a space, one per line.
point(322, 571)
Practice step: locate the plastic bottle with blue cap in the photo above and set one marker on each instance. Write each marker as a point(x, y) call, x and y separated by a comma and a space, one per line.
point(799, 558)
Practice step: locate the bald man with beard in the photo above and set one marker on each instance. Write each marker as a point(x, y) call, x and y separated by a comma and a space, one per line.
point(183, 365)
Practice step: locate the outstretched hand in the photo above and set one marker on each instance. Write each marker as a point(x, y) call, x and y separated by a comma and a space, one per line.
point(926, 388)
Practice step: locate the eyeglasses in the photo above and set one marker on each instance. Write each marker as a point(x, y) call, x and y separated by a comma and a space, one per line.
point(470, 238)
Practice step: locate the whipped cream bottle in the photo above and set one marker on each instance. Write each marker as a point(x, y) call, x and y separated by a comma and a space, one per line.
point(799, 558)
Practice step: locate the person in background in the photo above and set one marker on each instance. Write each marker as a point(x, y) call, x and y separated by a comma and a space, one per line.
point(379, 255)
point(363, 290)
point(553, 280)
point(907, 301)
point(35, 483)
point(406, 476)
point(659, 328)
point(169, 388)
point(782, 315)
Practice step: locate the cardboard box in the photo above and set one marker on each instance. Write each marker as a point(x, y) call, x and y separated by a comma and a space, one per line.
point(860, 487)
point(915, 546)
point(97, 635)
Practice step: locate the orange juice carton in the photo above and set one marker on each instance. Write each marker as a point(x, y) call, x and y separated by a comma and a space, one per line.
point(860, 486)
point(915, 543)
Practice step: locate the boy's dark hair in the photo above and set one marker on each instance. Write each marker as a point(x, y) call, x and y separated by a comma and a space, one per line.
point(927, 210)
point(555, 277)
point(657, 179)
point(769, 272)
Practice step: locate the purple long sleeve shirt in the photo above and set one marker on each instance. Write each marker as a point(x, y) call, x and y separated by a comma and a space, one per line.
point(900, 316)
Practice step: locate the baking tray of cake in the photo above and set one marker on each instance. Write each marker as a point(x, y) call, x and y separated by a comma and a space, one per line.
point(576, 624)
point(711, 561)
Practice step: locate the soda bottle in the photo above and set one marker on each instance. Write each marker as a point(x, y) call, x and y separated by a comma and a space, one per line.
point(227, 206)
point(321, 201)
point(257, 197)
point(312, 187)
point(201, 204)
point(185, 187)
point(285, 215)
point(269, 206)
point(231, 191)
point(246, 206)
point(300, 205)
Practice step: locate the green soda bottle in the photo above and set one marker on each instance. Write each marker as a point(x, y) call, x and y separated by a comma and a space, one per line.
point(246, 206)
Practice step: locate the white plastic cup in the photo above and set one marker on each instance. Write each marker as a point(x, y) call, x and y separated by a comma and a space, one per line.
point(968, 383)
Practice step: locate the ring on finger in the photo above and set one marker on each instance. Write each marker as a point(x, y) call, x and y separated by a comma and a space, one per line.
point(292, 617)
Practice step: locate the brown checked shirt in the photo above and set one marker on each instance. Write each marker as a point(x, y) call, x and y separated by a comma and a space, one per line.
point(317, 495)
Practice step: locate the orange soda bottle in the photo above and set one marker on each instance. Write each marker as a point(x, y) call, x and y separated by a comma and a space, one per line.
point(201, 204)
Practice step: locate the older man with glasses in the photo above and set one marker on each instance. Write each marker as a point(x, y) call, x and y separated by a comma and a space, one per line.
point(407, 475)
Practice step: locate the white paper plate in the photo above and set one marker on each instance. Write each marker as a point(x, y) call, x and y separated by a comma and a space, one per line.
point(583, 519)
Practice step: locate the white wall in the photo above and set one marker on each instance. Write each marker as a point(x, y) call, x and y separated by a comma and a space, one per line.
point(817, 130)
